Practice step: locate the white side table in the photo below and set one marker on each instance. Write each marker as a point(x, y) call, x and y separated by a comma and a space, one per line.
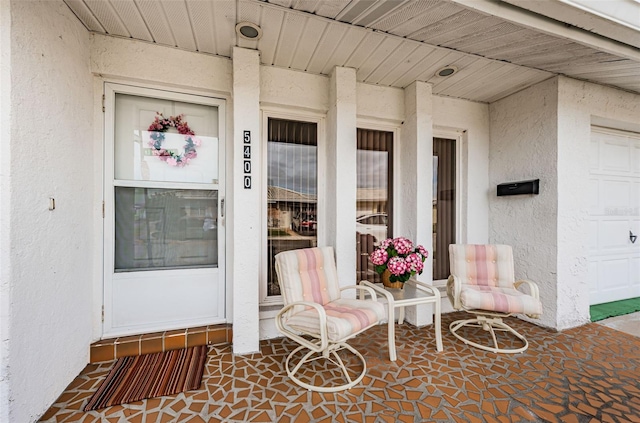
point(413, 293)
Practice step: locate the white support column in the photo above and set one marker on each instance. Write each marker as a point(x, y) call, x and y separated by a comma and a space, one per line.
point(243, 218)
point(415, 184)
point(341, 172)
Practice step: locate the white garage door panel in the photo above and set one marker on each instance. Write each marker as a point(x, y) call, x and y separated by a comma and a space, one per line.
point(613, 235)
point(593, 278)
point(616, 193)
point(615, 155)
point(614, 272)
point(614, 208)
point(635, 271)
point(594, 195)
point(593, 236)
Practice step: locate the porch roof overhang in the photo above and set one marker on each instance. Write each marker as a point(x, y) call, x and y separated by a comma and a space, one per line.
point(498, 47)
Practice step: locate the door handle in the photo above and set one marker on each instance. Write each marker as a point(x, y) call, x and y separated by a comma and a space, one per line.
point(632, 237)
point(222, 208)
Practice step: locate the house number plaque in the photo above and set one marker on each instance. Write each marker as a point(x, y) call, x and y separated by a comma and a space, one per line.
point(246, 136)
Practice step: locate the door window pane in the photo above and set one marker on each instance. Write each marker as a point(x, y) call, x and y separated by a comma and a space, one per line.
point(444, 204)
point(374, 197)
point(165, 229)
point(292, 197)
point(145, 155)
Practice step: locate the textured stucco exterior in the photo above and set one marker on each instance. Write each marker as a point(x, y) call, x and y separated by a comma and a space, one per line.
point(524, 146)
point(46, 255)
point(5, 210)
point(341, 171)
point(136, 61)
point(544, 132)
point(247, 234)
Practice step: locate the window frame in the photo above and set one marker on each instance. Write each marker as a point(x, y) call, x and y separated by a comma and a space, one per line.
point(304, 116)
point(461, 203)
point(396, 146)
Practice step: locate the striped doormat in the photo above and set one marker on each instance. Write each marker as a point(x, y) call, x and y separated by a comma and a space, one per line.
point(151, 375)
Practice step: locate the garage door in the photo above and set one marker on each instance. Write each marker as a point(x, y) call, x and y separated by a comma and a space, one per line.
point(614, 259)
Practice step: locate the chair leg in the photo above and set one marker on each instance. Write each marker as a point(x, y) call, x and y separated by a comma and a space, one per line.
point(332, 351)
point(490, 324)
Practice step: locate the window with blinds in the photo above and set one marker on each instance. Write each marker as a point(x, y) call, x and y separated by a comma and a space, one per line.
point(444, 204)
point(292, 190)
point(374, 205)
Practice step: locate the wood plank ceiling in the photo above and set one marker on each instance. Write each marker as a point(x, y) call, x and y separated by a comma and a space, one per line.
point(389, 43)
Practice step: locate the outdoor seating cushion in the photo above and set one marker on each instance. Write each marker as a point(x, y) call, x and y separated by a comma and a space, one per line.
point(345, 317)
point(483, 265)
point(506, 300)
point(308, 274)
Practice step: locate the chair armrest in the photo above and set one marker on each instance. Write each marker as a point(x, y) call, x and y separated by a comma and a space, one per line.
point(322, 316)
point(454, 287)
point(534, 292)
point(533, 287)
point(362, 289)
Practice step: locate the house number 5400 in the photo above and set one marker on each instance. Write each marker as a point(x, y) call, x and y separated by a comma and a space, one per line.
point(246, 137)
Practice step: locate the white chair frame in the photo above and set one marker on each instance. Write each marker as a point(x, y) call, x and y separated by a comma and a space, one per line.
point(320, 346)
point(490, 321)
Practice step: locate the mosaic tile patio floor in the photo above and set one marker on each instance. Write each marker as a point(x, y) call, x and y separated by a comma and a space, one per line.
point(587, 374)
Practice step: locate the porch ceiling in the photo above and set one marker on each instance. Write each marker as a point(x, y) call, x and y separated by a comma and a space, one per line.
point(389, 43)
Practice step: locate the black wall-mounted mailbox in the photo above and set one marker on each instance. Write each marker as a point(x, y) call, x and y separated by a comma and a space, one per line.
point(521, 187)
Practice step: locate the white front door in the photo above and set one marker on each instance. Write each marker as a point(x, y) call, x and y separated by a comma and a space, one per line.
point(614, 259)
point(164, 204)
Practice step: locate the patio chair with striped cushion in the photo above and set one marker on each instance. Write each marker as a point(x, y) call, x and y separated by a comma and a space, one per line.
point(482, 283)
point(316, 316)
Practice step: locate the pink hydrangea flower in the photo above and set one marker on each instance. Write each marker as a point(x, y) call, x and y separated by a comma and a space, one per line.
point(423, 251)
point(397, 266)
point(402, 245)
point(379, 257)
point(414, 261)
point(172, 162)
point(419, 267)
point(385, 244)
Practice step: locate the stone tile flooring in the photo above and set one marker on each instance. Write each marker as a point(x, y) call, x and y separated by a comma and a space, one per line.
point(586, 374)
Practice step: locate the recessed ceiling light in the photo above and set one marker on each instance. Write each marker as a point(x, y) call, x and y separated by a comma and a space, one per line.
point(249, 31)
point(447, 71)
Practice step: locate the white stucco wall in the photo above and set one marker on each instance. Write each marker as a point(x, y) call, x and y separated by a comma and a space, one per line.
point(293, 90)
point(524, 146)
point(380, 104)
point(246, 210)
point(341, 176)
point(5, 210)
point(544, 132)
point(581, 104)
point(46, 255)
point(141, 62)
